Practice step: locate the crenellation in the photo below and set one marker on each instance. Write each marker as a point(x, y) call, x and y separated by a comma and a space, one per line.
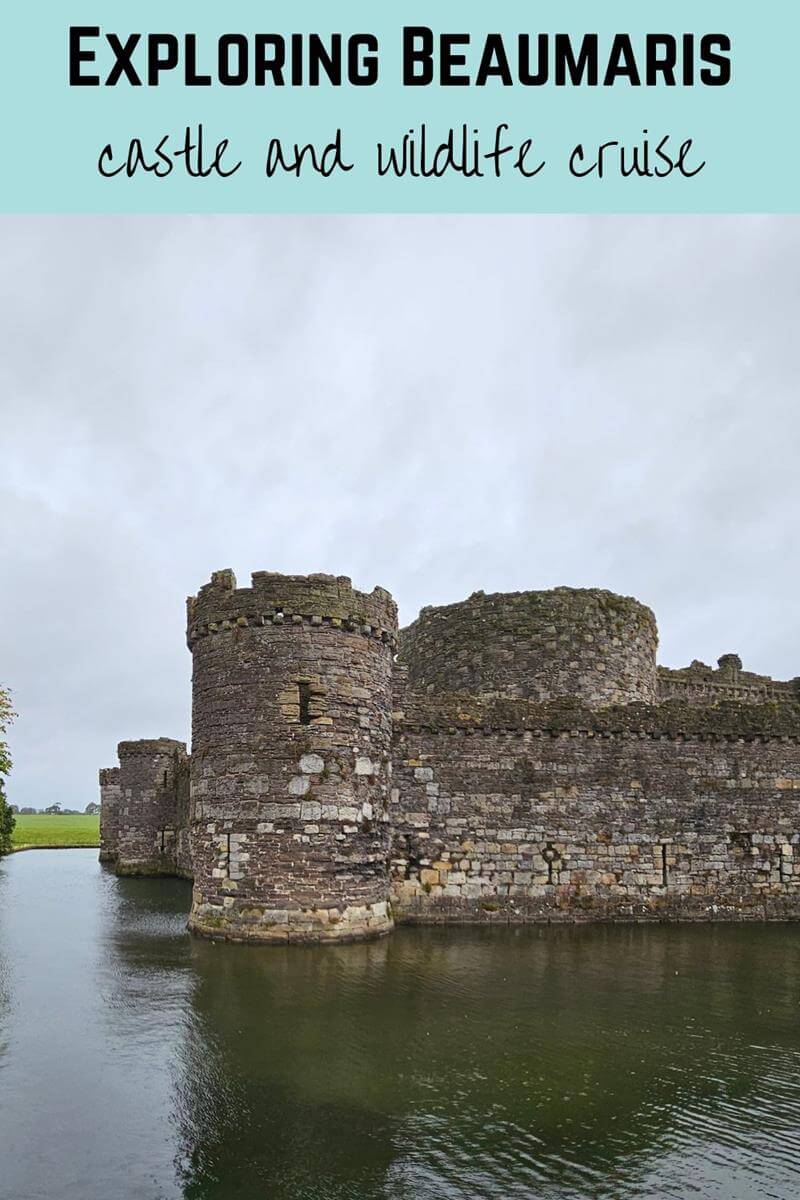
point(275, 599)
point(521, 759)
point(700, 684)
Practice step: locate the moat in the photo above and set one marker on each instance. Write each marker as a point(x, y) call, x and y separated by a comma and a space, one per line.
point(533, 1063)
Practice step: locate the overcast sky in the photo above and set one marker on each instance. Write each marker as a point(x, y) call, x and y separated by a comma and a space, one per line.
point(433, 404)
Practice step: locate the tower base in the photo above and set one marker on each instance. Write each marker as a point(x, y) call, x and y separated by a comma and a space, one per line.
point(274, 926)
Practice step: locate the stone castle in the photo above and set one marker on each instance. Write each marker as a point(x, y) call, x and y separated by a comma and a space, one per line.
point(512, 758)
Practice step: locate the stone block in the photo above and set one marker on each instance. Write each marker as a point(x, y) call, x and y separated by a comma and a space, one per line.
point(312, 764)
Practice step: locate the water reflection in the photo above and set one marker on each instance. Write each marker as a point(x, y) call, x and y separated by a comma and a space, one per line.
point(537, 1063)
point(524, 1063)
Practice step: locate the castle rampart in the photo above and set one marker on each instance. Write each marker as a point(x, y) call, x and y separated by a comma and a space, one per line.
point(514, 812)
point(523, 759)
point(701, 684)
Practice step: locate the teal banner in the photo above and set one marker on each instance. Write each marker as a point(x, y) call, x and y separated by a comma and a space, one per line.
point(437, 107)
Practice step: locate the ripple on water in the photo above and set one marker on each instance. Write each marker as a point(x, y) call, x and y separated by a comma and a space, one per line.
point(538, 1064)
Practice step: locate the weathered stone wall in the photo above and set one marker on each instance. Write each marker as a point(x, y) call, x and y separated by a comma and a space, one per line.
point(291, 735)
point(538, 645)
point(702, 684)
point(153, 806)
point(514, 812)
point(109, 813)
point(513, 765)
point(184, 859)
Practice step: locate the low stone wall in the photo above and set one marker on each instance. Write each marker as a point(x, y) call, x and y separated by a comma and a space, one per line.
point(553, 813)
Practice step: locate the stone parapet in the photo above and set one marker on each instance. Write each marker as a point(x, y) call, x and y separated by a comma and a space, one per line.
point(290, 600)
point(699, 684)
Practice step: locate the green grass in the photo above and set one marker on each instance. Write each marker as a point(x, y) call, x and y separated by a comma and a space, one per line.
point(46, 829)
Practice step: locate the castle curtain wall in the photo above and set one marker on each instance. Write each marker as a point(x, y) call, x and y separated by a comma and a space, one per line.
point(593, 824)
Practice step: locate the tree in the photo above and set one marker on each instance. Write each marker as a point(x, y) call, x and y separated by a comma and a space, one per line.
point(92, 808)
point(54, 808)
point(7, 715)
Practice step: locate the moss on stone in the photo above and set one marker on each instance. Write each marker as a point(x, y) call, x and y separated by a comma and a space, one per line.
point(673, 718)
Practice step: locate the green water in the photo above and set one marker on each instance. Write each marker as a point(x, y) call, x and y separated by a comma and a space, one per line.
point(137, 1062)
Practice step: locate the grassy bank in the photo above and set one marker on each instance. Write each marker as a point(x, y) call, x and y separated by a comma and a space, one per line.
point(46, 829)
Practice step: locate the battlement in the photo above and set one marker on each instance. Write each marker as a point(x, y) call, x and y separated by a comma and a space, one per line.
point(150, 747)
point(581, 642)
point(108, 776)
point(317, 600)
point(701, 684)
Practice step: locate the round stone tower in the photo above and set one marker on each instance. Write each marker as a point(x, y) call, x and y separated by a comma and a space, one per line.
point(586, 643)
point(291, 731)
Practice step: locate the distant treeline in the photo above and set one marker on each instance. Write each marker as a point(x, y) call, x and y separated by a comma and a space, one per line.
point(91, 810)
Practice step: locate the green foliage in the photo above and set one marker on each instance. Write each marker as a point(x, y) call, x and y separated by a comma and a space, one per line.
point(7, 715)
point(7, 822)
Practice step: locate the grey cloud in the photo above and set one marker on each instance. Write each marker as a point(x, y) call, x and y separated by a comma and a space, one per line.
point(433, 404)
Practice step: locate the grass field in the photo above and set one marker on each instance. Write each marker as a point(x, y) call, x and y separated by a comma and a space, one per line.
point(45, 829)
